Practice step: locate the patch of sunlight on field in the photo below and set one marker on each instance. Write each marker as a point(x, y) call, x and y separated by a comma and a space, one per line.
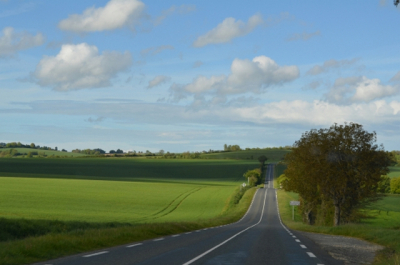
point(109, 201)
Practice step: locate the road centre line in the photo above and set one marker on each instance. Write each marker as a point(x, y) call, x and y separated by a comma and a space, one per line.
point(229, 239)
point(95, 254)
point(134, 245)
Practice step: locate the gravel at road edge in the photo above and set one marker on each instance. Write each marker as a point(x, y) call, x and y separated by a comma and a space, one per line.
point(351, 251)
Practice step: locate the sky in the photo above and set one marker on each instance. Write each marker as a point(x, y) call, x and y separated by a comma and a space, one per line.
point(195, 75)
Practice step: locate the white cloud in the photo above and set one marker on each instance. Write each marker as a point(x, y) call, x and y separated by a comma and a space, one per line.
point(246, 76)
point(80, 66)
point(359, 89)
point(318, 112)
point(155, 50)
point(183, 9)
point(303, 36)
point(116, 14)
point(158, 80)
point(330, 64)
point(12, 42)
point(228, 30)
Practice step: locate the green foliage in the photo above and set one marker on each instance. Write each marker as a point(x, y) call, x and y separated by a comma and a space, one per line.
point(395, 185)
point(9, 153)
point(253, 176)
point(232, 147)
point(282, 178)
point(340, 166)
point(384, 185)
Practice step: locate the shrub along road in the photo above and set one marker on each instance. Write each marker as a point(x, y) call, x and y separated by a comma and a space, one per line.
point(258, 238)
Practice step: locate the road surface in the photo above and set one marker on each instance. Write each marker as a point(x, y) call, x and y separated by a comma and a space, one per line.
point(258, 238)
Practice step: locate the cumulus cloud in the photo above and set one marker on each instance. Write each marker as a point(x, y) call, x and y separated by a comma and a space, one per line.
point(330, 64)
point(80, 66)
point(12, 42)
point(155, 50)
point(228, 30)
point(359, 89)
point(115, 14)
point(303, 36)
point(183, 9)
point(246, 76)
point(158, 80)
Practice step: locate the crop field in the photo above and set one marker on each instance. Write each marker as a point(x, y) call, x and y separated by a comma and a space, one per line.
point(109, 201)
point(144, 190)
point(55, 207)
point(273, 155)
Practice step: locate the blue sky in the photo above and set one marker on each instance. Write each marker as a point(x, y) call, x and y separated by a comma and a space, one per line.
point(194, 75)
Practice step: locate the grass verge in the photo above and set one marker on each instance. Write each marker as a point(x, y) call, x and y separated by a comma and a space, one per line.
point(381, 227)
point(76, 237)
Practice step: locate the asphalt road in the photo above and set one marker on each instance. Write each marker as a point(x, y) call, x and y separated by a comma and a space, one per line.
point(258, 238)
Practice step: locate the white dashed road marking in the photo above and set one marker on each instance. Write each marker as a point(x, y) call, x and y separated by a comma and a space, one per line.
point(158, 239)
point(95, 254)
point(134, 245)
point(311, 255)
point(303, 246)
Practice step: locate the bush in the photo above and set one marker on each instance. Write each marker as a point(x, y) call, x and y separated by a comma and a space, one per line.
point(384, 185)
point(395, 185)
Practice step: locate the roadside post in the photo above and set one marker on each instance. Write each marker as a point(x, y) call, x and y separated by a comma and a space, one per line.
point(294, 203)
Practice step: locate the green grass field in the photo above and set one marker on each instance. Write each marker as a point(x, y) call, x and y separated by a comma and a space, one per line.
point(46, 152)
point(112, 201)
point(394, 172)
point(55, 207)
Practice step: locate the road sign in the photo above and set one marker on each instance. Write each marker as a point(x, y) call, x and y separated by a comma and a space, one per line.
point(294, 203)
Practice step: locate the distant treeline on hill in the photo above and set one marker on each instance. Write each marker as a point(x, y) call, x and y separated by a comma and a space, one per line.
point(32, 145)
point(96, 151)
point(232, 148)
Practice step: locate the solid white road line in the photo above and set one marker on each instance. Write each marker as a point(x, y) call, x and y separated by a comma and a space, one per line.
point(311, 255)
point(95, 254)
point(229, 239)
point(134, 245)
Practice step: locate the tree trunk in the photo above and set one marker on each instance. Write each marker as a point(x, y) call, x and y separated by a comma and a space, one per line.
point(336, 220)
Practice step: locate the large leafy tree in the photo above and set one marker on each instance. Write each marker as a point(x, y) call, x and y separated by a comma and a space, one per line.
point(341, 165)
